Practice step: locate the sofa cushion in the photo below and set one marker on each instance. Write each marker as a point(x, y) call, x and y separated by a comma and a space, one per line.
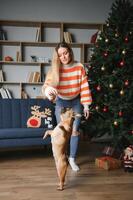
point(40, 115)
point(15, 112)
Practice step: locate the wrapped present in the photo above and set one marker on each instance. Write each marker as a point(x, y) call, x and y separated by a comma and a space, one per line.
point(108, 163)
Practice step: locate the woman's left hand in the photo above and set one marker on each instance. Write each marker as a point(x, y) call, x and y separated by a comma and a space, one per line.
point(86, 113)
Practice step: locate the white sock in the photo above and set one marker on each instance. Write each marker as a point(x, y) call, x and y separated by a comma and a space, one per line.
point(73, 165)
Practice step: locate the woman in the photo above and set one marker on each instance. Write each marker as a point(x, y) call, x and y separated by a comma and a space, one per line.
point(67, 84)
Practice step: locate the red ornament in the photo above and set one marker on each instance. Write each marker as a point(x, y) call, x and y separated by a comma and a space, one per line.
point(97, 108)
point(90, 67)
point(120, 113)
point(122, 63)
point(126, 39)
point(131, 132)
point(126, 83)
point(115, 123)
point(98, 88)
point(105, 109)
point(105, 54)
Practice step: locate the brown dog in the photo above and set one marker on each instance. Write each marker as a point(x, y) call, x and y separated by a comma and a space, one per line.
point(59, 138)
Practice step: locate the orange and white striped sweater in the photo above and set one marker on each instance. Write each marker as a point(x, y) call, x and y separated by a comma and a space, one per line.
point(73, 82)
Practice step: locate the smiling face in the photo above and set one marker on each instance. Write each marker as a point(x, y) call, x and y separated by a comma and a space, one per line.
point(64, 55)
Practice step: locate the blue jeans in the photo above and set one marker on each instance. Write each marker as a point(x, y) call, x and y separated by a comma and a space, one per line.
point(74, 104)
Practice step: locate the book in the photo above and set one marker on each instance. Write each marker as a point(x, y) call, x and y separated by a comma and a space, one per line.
point(34, 77)
point(17, 56)
point(31, 77)
point(1, 76)
point(3, 35)
point(5, 93)
point(39, 97)
point(67, 37)
point(8, 93)
point(24, 95)
point(38, 32)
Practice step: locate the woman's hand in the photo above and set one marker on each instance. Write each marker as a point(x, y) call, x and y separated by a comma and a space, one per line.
point(50, 93)
point(86, 113)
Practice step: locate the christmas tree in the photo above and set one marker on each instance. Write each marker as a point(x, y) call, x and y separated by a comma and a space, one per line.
point(111, 76)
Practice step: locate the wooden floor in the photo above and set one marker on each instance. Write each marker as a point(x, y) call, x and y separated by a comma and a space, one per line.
point(31, 175)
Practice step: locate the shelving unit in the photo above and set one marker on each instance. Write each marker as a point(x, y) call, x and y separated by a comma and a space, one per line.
point(34, 38)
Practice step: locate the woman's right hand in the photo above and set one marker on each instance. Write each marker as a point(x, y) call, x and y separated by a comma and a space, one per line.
point(50, 93)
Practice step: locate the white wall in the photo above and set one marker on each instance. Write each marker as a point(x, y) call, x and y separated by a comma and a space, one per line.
point(56, 10)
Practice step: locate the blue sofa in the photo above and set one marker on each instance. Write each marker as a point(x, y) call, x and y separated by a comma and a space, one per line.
point(14, 115)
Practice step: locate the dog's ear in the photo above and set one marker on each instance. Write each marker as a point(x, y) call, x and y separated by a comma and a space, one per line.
point(68, 109)
point(63, 110)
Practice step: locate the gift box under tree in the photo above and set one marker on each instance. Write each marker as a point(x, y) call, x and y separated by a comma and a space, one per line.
point(108, 163)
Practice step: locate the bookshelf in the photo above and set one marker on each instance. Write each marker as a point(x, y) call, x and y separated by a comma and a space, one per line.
point(29, 45)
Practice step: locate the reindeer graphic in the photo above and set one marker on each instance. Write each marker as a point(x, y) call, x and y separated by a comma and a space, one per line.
point(35, 120)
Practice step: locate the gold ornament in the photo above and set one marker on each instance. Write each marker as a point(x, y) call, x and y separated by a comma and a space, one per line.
point(123, 52)
point(111, 85)
point(97, 107)
point(115, 123)
point(116, 34)
point(102, 68)
point(122, 92)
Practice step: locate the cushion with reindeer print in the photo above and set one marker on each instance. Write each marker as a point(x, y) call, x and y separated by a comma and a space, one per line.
point(41, 114)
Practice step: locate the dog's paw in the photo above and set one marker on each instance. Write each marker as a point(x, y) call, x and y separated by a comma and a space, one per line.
point(60, 188)
point(47, 133)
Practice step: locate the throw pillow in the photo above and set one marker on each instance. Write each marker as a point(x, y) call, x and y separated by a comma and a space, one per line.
point(40, 116)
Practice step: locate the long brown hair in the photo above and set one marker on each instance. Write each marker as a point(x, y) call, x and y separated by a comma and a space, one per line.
point(53, 74)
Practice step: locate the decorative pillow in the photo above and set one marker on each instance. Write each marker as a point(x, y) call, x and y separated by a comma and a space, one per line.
point(40, 117)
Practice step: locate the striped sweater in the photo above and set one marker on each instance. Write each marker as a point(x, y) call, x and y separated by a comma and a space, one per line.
point(73, 82)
